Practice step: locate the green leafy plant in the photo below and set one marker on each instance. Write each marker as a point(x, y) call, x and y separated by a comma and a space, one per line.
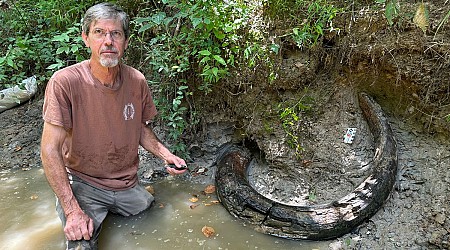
point(290, 120)
point(214, 68)
point(25, 56)
point(195, 44)
point(392, 9)
point(69, 48)
point(310, 19)
point(319, 17)
point(12, 62)
point(203, 35)
point(176, 120)
point(348, 242)
point(312, 195)
point(32, 35)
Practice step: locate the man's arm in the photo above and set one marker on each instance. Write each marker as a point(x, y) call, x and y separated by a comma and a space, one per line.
point(78, 224)
point(152, 144)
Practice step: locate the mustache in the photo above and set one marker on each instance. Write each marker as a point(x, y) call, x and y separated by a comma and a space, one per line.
point(109, 49)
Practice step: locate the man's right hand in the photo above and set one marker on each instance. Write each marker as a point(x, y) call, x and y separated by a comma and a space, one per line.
point(78, 226)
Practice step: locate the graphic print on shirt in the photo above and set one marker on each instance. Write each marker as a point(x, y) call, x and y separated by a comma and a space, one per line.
point(128, 112)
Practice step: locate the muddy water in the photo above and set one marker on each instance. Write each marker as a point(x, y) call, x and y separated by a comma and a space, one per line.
point(28, 216)
point(29, 220)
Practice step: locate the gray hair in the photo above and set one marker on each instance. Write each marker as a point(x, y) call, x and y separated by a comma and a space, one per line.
point(105, 11)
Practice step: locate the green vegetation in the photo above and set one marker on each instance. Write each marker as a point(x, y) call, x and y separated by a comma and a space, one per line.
point(290, 117)
point(204, 36)
point(186, 48)
point(310, 19)
point(37, 35)
point(312, 195)
point(191, 46)
point(392, 9)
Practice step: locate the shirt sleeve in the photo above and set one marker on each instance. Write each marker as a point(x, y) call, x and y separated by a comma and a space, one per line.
point(57, 109)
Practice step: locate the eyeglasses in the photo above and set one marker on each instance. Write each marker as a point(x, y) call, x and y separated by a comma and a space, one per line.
point(100, 34)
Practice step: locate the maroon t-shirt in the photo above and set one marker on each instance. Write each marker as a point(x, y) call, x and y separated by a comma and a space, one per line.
point(103, 124)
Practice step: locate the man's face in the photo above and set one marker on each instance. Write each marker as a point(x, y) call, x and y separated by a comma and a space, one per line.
point(107, 42)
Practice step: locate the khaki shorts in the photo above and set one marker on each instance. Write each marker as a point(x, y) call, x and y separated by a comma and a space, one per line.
point(97, 203)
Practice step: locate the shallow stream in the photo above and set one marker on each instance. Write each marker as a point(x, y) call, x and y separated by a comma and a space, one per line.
point(29, 220)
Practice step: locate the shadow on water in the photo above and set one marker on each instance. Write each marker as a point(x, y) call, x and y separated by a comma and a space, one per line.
point(29, 220)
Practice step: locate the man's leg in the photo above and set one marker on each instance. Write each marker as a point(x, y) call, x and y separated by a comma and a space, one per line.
point(132, 201)
point(95, 203)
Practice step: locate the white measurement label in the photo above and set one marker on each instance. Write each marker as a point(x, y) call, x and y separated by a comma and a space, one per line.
point(349, 135)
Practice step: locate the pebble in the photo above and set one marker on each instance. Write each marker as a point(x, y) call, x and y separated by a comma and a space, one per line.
point(440, 218)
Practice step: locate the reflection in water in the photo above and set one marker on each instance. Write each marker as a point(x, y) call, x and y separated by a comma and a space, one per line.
point(29, 220)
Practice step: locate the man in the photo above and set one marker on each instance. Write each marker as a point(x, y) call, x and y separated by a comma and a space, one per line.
point(95, 117)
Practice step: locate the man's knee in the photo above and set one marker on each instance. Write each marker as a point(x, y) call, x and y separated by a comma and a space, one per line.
point(143, 200)
point(133, 201)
